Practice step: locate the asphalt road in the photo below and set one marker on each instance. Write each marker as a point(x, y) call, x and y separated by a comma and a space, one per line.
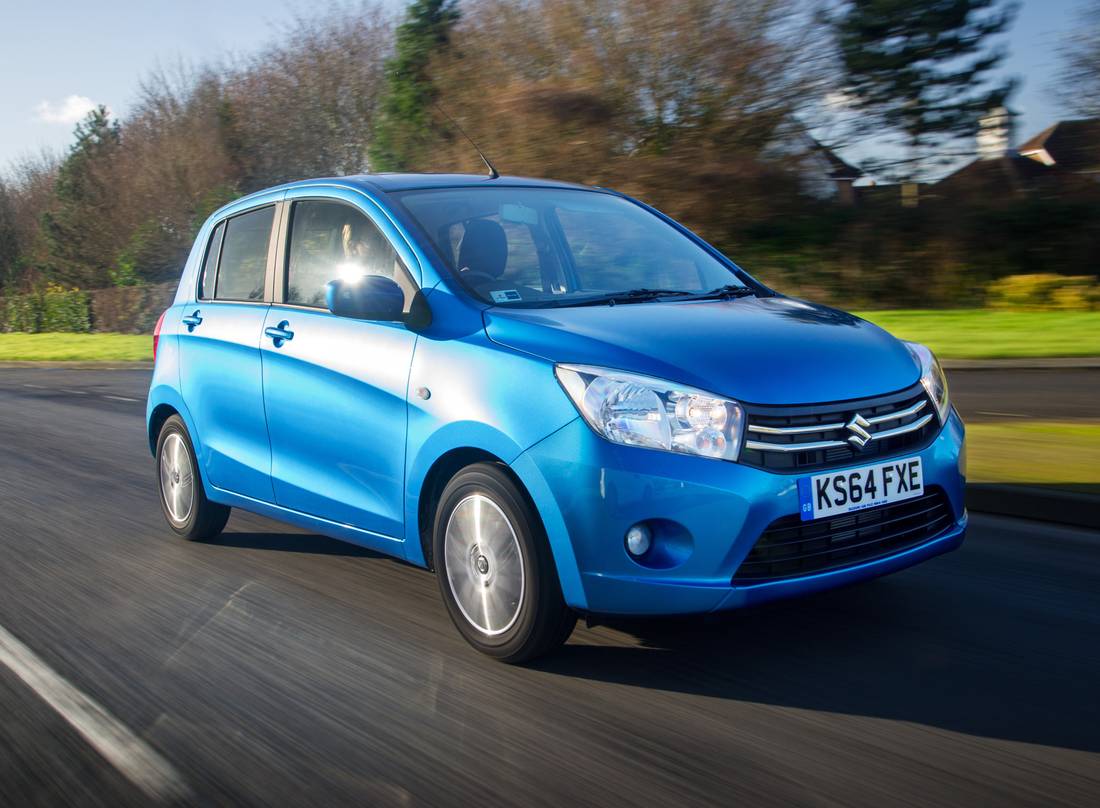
point(278, 667)
point(1042, 395)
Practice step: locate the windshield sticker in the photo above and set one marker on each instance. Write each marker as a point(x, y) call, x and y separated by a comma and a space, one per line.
point(505, 296)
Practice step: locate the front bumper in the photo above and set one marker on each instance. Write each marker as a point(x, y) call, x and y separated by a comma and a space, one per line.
point(590, 491)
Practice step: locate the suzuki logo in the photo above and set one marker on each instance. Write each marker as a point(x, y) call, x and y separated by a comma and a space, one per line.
point(858, 427)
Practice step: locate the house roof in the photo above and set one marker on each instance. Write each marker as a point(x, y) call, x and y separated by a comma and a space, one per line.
point(1072, 145)
point(838, 169)
point(1007, 175)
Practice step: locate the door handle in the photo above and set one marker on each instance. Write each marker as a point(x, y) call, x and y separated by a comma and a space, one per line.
point(280, 333)
point(192, 320)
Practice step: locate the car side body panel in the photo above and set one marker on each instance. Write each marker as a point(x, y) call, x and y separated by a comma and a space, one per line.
point(466, 392)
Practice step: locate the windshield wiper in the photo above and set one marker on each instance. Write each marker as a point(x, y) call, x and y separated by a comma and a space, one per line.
point(730, 290)
point(641, 295)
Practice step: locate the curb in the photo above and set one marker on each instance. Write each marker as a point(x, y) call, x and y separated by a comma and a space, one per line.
point(1035, 363)
point(103, 365)
point(1021, 501)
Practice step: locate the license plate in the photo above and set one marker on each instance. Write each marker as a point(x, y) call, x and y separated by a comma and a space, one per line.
point(856, 489)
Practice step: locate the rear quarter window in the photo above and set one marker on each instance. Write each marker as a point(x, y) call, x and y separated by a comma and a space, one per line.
point(243, 263)
point(210, 265)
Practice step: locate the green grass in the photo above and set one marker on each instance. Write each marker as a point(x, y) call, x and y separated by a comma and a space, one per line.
point(987, 334)
point(953, 334)
point(1059, 454)
point(75, 347)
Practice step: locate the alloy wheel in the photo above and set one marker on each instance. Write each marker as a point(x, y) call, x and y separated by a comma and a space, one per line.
point(484, 565)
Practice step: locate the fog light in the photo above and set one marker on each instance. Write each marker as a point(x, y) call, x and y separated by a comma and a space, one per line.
point(638, 540)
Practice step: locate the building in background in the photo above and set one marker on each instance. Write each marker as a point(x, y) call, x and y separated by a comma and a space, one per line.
point(1052, 163)
point(1072, 146)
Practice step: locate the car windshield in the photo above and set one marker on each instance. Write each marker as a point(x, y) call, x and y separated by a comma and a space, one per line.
point(530, 247)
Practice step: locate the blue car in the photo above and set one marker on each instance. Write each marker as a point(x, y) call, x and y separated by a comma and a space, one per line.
point(557, 398)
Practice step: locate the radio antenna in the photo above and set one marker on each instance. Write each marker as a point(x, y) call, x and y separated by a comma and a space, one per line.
point(493, 173)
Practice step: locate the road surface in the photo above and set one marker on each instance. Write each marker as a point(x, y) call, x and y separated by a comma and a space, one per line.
point(279, 667)
point(1040, 395)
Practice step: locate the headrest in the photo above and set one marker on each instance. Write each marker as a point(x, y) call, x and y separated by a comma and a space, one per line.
point(484, 248)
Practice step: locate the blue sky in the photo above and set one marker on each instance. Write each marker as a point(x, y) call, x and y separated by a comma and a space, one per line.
point(58, 57)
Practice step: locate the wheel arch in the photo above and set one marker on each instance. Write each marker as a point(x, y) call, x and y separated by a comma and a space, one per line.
point(159, 414)
point(441, 472)
point(164, 402)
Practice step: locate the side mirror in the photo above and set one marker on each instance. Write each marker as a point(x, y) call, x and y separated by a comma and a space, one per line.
point(372, 297)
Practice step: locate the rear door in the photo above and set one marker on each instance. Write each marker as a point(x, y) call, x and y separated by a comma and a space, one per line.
point(335, 391)
point(219, 339)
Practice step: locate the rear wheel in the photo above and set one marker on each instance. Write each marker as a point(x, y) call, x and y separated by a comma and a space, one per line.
point(182, 498)
point(495, 570)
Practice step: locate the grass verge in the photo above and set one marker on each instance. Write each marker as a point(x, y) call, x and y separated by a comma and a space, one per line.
point(75, 347)
point(989, 334)
point(1051, 454)
point(954, 334)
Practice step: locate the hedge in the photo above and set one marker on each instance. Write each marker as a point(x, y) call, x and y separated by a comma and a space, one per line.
point(130, 309)
point(54, 309)
point(126, 310)
point(1045, 291)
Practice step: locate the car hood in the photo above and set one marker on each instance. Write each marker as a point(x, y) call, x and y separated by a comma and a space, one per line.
point(769, 350)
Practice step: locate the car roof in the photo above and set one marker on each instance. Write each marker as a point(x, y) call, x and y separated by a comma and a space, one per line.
point(388, 183)
point(382, 184)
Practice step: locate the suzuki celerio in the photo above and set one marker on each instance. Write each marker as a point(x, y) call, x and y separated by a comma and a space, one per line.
point(557, 398)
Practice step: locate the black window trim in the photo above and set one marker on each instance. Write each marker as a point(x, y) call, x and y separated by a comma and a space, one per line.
point(276, 224)
point(206, 257)
point(282, 267)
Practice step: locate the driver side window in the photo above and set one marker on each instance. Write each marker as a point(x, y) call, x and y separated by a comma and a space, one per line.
point(331, 240)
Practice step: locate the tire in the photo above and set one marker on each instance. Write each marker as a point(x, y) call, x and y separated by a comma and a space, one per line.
point(494, 567)
point(182, 498)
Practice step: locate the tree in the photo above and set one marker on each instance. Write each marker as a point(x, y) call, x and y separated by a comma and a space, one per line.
point(1079, 78)
point(922, 70)
point(9, 238)
point(403, 133)
point(74, 225)
point(306, 106)
point(675, 101)
point(27, 192)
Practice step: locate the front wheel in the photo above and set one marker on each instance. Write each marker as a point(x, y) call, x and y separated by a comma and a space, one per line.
point(495, 570)
point(182, 498)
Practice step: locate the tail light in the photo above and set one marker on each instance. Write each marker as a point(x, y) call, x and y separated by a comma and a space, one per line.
point(156, 333)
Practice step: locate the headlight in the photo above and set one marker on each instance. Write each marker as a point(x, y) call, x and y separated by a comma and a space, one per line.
point(642, 411)
point(932, 377)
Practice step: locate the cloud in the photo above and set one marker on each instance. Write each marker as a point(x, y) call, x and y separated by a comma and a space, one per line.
point(838, 101)
point(68, 111)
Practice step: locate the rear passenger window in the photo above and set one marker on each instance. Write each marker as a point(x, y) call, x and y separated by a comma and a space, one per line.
point(330, 240)
point(243, 263)
point(210, 266)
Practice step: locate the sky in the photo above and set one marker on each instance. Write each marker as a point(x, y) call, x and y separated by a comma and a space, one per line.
point(59, 58)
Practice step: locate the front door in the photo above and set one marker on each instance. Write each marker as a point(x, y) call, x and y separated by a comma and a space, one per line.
point(334, 387)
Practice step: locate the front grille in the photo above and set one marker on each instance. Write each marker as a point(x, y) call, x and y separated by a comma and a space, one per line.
point(790, 547)
point(809, 438)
